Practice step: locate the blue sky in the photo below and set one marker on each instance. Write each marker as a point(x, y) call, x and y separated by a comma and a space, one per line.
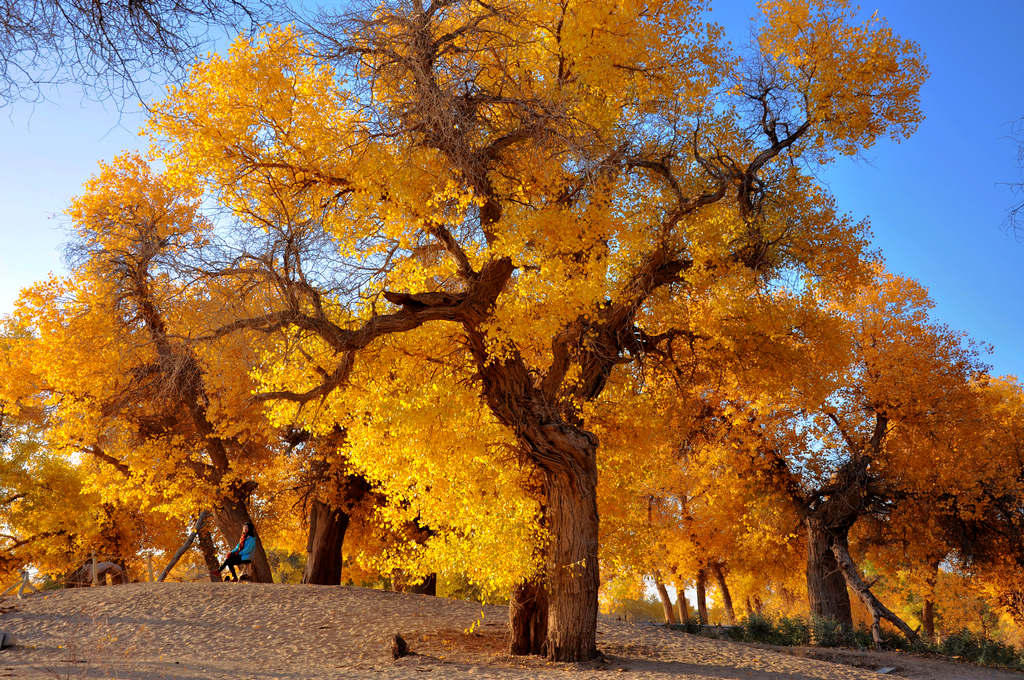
point(937, 202)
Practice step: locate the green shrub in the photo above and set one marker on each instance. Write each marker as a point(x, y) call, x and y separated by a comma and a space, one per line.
point(691, 626)
point(793, 631)
point(977, 649)
point(862, 638)
point(830, 633)
point(785, 631)
point(758, 628)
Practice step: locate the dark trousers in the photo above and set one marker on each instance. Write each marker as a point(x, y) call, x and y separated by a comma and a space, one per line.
point(231, 561)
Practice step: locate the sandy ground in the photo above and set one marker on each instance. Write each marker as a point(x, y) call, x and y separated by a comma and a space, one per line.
point(200, 631)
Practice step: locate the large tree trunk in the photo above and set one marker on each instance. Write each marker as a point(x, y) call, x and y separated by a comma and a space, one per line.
point(566, 454)
point(327, 527)
point(878, 610)
point(230, 517)
point(702, 597)
point(528, 618)
point(666, 601)
point(826, 587)
point(572, 571)
point(730, 613)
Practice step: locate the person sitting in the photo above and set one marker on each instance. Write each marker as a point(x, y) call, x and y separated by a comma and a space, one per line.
point(242, 552)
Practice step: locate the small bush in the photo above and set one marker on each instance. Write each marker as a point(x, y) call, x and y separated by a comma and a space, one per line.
point(829, 633)
point(794, 631)
point(692, 627)
point(786, 631)
point(759, 628)
point(977, 649)
point(862, 638)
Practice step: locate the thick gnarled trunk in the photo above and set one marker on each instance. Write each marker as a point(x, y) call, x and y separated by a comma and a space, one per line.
point(528, 618)
point(327, 527)
point(572, 571)
point(826, 587)
point(566, 454)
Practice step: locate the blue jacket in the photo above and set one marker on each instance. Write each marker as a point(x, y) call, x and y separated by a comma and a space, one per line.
point(245, 551)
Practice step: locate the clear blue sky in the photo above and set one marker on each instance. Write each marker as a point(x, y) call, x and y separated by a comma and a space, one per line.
point(937, 203)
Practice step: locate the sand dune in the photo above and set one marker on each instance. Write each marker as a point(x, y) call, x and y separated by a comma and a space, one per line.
point(197, 631)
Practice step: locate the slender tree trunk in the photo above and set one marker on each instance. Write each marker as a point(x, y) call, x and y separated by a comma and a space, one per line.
point(702, 597)
point(230, 517)
point(209, 552)
point(928, 619)
point(681, 605)
point(184, 546)
point(730, 613)
point(789, 600)
point(666, 601)
point(928, 613)
point(528, 618)
point(878, 610)
point(572, 570)
point(327, 527)
point(826, 587)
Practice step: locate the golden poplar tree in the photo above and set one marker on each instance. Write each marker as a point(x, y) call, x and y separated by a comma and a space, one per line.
point(525, 183)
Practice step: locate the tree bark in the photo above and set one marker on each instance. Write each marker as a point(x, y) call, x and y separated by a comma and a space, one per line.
point(528, 618)
point(730, 613)
point(702, 597)
point(878, 610)
point(572, 570)
point(230, 517)
point(682, 605)
point(566, 454)
point(666, 601)
point(928, 619)
point(826, 587)
point(327, 527)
